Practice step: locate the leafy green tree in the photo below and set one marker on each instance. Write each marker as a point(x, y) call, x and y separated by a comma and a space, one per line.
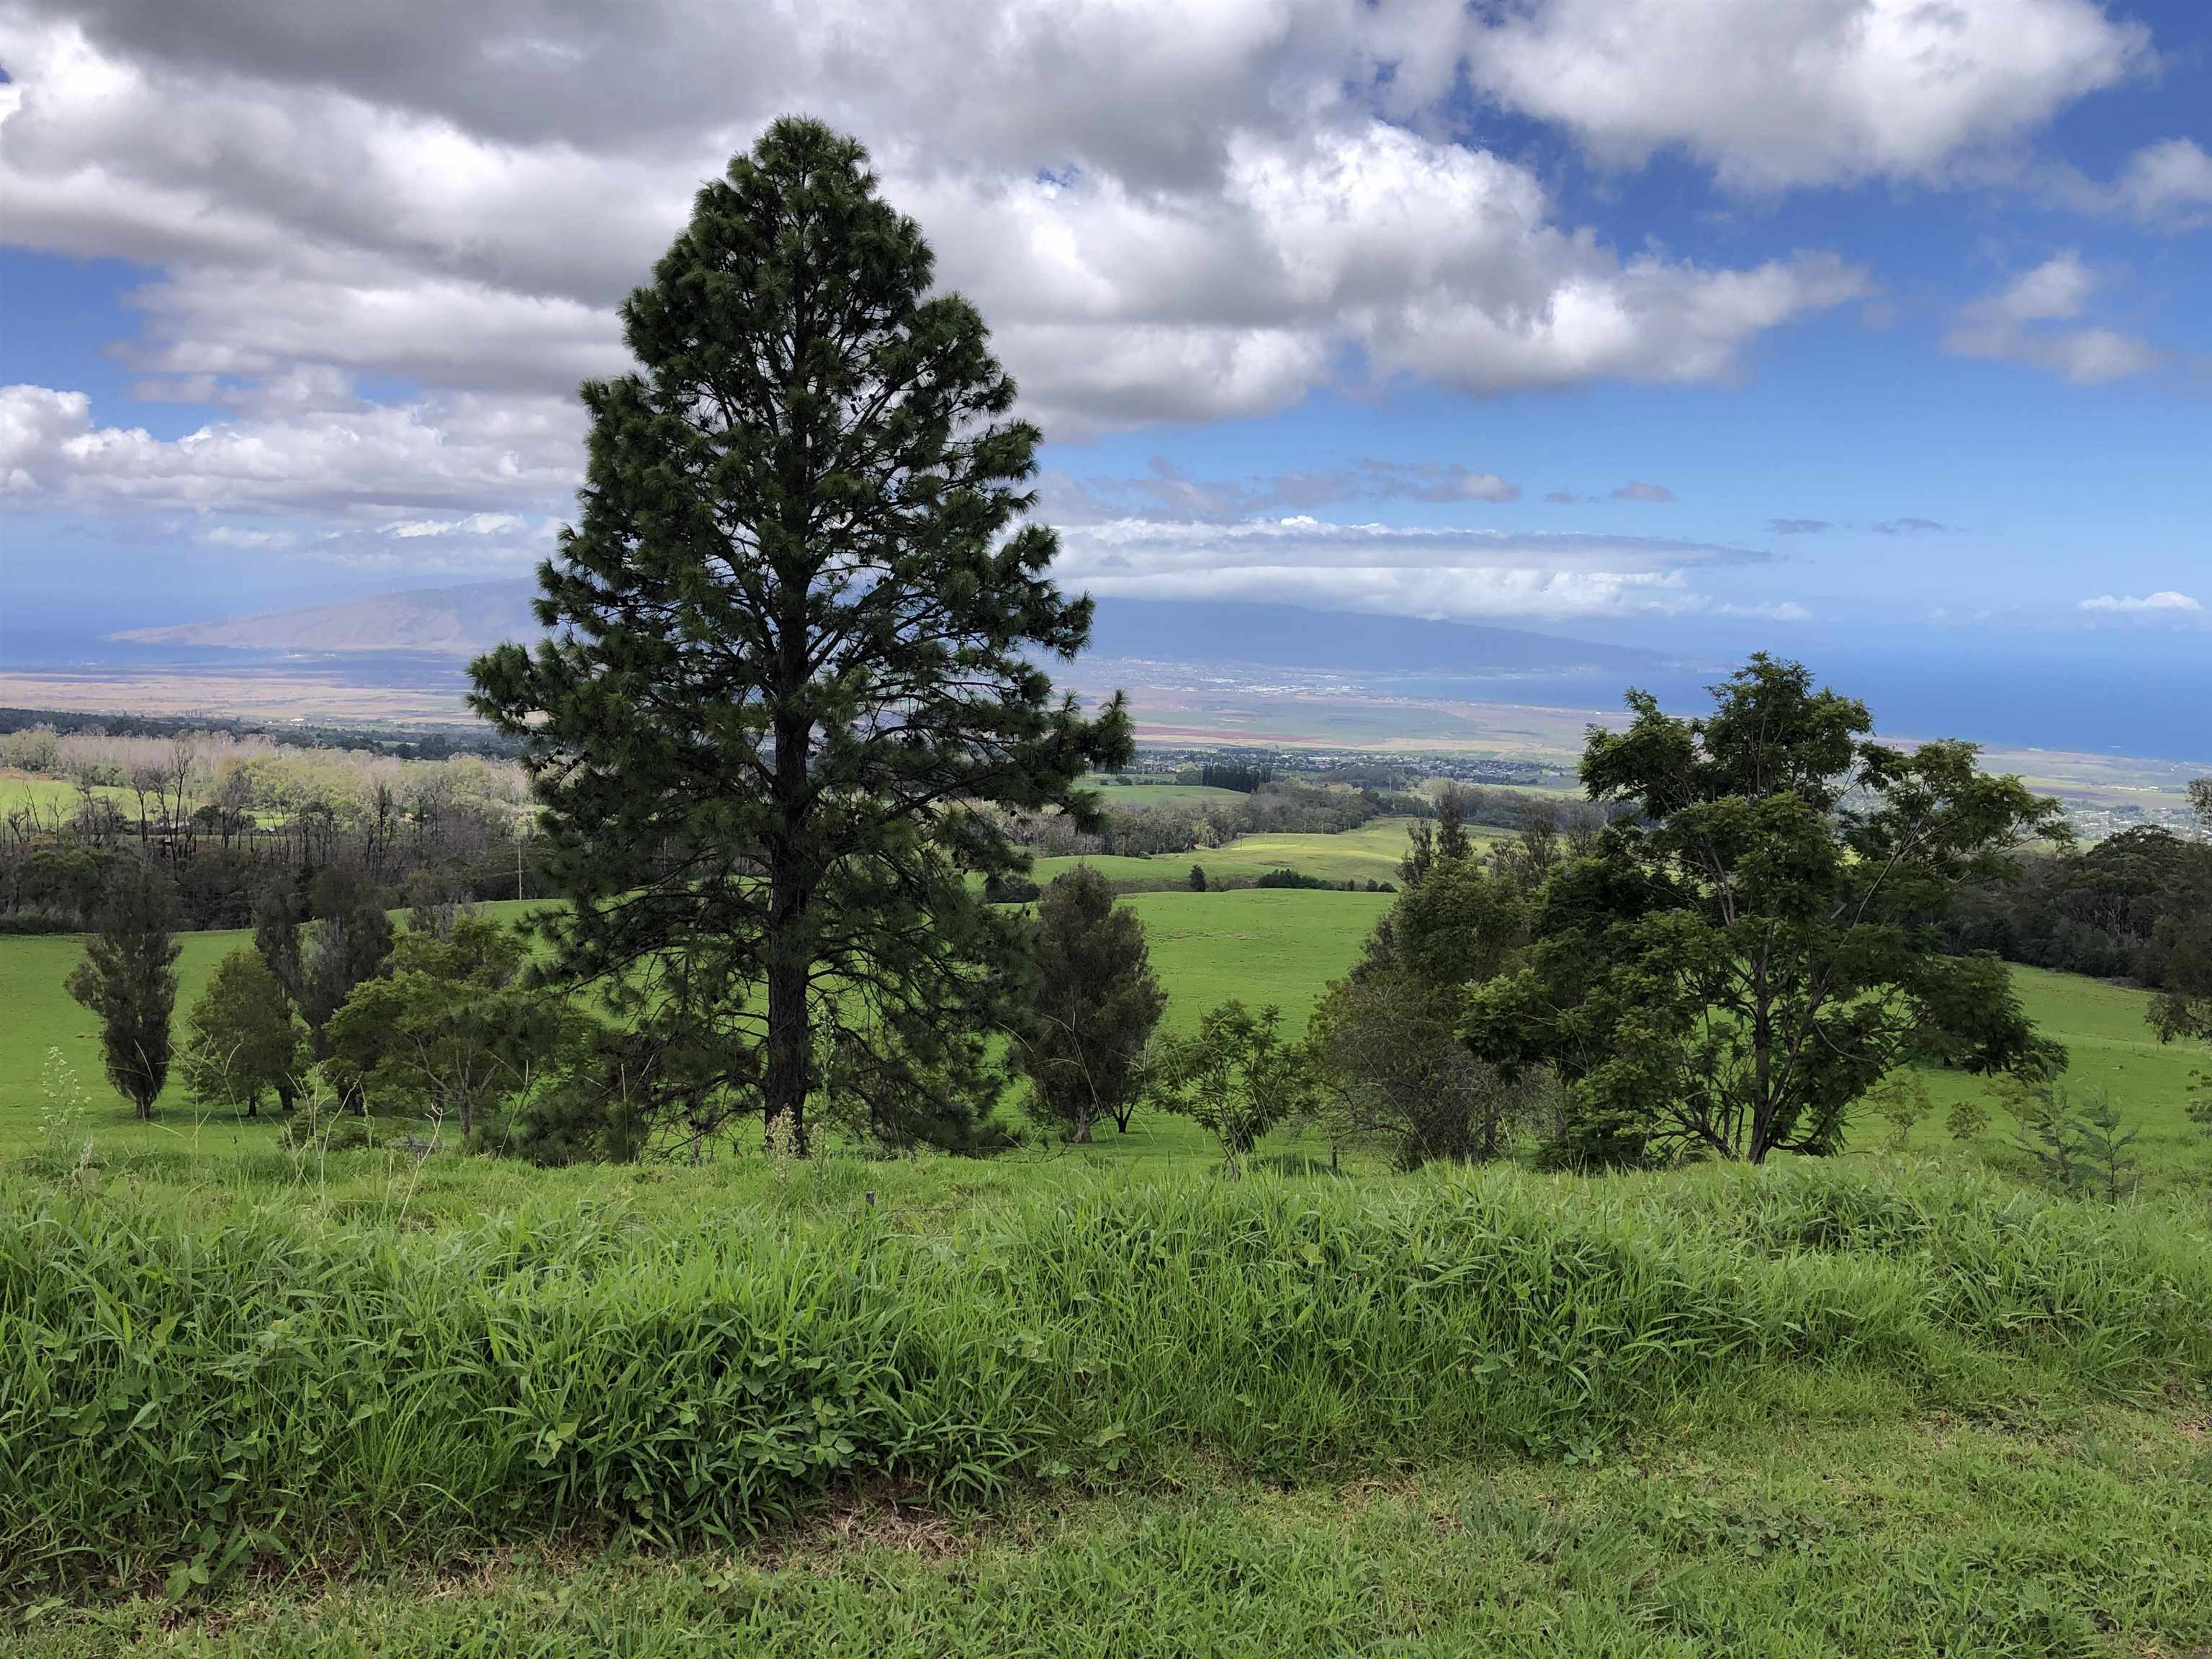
point(1420, 854)
point(242, 1041)
point(1966, 1120)
point(129, 979)
point(1389, 1061)
point(2199, 1107)
point(1901, 1099)
point(347, 942)
point(319, 943)
point(451, 1031)
point(796, 635)
point(1453, 844)
point(1198, 878)
point(1236, 1077)
point(1726, 974)
point(2180, 955)
point(1460, 926)
point(1389, 1069)
point(1093, 1003)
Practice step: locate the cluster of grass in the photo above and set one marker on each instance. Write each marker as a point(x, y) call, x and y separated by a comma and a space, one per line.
point(193, 1382)
point(1953, 1539)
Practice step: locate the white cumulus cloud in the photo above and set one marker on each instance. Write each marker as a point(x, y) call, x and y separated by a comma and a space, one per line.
point(2018, 323)
point(2166, 603)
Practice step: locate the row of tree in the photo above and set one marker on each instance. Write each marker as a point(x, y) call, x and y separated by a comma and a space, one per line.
point(223, 817)
point(2138, 906)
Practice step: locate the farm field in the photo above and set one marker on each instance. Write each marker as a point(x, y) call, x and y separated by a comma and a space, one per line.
point(1369, 852)
point(1126, 796)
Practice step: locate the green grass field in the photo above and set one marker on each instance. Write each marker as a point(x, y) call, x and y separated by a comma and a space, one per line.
point(1262, 946)
point(42, 796)
point(1033, 1407)
point(1095, 1400)
point(1900, 1539)
point(1258, 945)
point(1125, 796)
point(1369, 852)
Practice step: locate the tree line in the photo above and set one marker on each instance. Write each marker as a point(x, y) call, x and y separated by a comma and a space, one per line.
point(223, 817)
point(2136, 906)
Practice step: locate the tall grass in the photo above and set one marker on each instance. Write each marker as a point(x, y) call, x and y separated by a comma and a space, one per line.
point(188, 1383)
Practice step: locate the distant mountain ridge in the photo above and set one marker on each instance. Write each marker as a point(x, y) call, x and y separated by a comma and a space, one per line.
point(1291, 636)
point(458, 622)
point(464, 620)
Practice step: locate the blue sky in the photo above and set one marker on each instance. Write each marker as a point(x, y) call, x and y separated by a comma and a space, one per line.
point(1856, 326)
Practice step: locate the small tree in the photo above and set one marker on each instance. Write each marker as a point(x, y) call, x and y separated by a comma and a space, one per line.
point(347, 942)
point(319, 945)
point(1389, 1066)
point(1197, 878)
point(450, 1031)
point(1902, 1099)
point(129, 979)
point(1453, 842)
point(242, 1040)
point(1420, 855)
point(1966, 1120)
point(1091, 1009)
point(1236, 1078)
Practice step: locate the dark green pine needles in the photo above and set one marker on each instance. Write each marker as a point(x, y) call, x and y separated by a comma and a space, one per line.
point(793, 664)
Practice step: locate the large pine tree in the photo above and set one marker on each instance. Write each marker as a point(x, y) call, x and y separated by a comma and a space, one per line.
point(794, 644)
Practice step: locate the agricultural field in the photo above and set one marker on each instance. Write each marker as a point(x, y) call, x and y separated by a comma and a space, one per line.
point(1125, 797)
point(1371, 853)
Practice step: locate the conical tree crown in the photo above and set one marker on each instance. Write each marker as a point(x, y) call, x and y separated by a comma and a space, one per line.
point(798, 630)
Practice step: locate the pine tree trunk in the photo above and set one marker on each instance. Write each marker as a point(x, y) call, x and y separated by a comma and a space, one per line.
point(787, 1045)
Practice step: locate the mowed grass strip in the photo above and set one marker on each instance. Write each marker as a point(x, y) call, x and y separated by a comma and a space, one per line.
point(1966, 1540)
point(188, 1378)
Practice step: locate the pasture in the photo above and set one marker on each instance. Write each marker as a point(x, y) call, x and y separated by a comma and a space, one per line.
point(1130, 797)
point(1259, 945)
point(1371, 853)
point(1098, 1399)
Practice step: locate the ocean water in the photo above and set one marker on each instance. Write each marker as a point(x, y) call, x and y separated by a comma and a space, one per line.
point(2156, 704)
point(2158, 707)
